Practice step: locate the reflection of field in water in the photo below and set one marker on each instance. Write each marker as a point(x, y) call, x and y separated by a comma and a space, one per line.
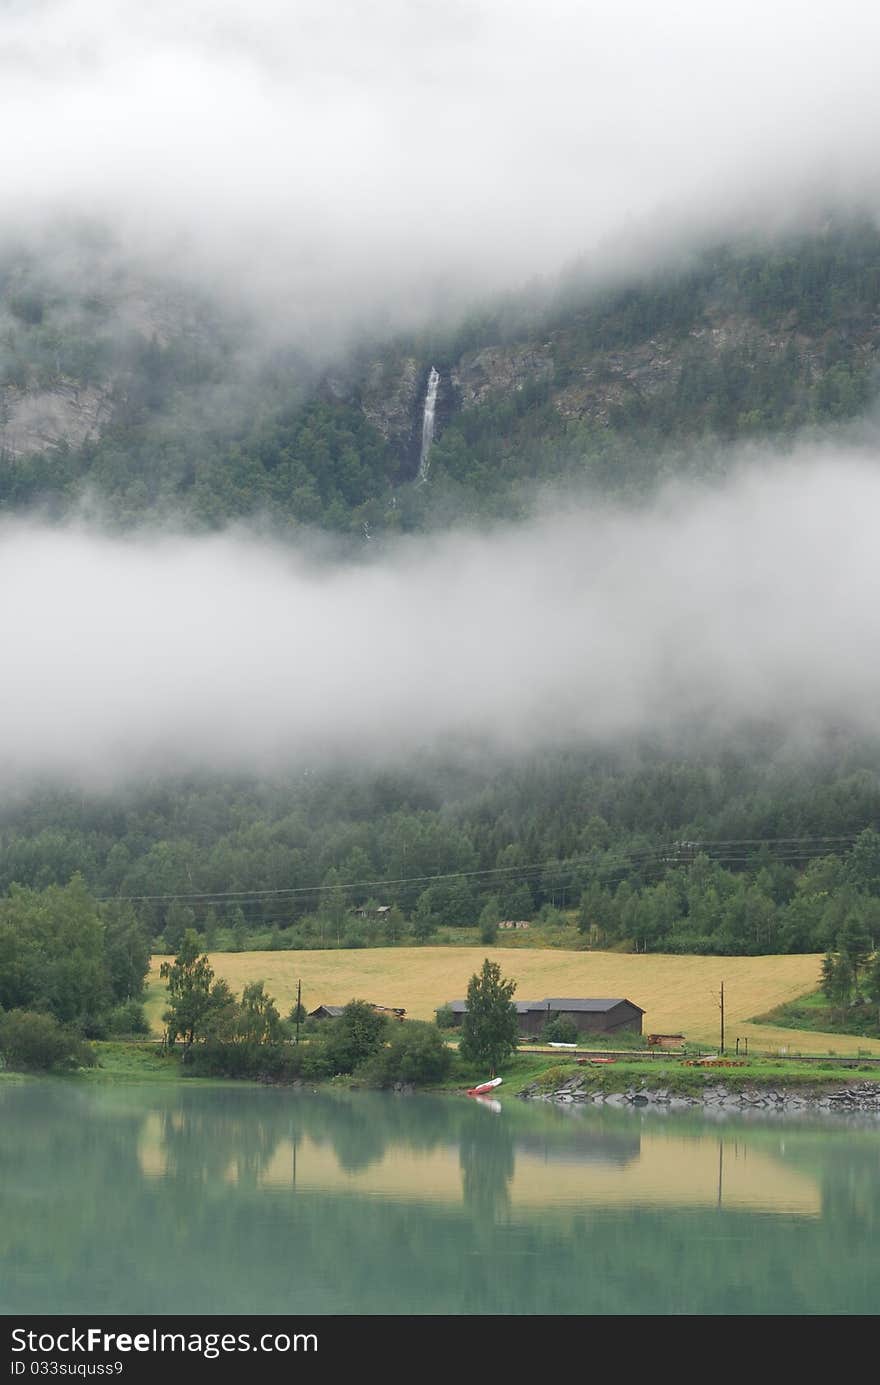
point(238, 1199)
point(636, 1168)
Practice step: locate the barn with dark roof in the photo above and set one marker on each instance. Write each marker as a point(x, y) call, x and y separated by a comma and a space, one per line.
point(617, 1016)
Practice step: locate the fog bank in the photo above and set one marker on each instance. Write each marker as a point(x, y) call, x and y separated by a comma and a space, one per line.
point(759, 600)
point(337, 158)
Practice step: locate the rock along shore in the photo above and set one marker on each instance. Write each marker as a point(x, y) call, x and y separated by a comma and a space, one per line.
point(844, 1097)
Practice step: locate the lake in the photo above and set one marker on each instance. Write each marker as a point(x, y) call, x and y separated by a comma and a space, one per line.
point(237, 1199)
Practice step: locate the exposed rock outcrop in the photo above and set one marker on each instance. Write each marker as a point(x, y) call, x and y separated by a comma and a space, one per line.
point(35, 421)
point(499, 370)
point(390, 398)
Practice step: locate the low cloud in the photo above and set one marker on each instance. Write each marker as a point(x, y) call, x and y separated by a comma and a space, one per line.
point(341, 160)
point(758, 601)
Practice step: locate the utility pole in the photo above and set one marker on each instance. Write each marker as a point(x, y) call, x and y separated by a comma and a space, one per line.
point(721, 1004)
point(299, 991)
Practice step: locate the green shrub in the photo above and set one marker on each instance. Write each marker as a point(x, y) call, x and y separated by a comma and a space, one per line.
point(445, 1017)
point(265, 1062)
point(560, 1030)
point(128, 1018)
point(549, 915)
point(214, 1059)
point(38, 1043)
point(355, 1036)
point(416, 1053)
point(314, 1062)
point(553, 1078)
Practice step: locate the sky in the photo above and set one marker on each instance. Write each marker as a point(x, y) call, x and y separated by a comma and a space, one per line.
point(754, 601)
point(339, 159)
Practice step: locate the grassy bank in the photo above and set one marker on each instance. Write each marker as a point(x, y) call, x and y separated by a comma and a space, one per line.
point(691, 1081)
point(135, 1062)
point(813, 1014)
point(119, 1061)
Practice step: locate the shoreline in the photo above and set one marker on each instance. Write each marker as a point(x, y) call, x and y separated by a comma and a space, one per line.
point(779, 1097)
point(661, 1084)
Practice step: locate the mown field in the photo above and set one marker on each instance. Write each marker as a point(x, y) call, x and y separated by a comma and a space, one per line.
point(679, 994)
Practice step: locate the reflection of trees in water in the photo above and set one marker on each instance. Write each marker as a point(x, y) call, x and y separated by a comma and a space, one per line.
point(486, 1152)
point(357, 1138)
point(851, 1190)
point(205, 1142)
point(60, 1170)
point(46, 1130)
point(208, 1133)
point(81, 1224)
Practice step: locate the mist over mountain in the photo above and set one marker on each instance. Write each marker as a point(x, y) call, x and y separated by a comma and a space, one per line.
point(340, 163)
point(754, 601)
point(143, 400)
point(435, 442)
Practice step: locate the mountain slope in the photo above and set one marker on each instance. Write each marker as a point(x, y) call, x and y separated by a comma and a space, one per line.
point(152, 402)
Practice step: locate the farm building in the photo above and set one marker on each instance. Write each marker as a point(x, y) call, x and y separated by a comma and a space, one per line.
point(333, 1012)
point(588, 1016)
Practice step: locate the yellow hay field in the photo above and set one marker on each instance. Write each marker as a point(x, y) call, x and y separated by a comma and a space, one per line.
point(679, 994)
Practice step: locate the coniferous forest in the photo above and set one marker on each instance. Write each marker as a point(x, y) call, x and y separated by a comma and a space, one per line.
point(688, 846)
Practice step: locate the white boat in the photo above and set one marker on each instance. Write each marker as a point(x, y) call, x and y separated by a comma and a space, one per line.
point(484, 1087)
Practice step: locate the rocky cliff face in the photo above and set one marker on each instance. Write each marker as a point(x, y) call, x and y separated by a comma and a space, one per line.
point(391, 395)
point(607, 382)
point(72, 339)
point(499, 370)
point(33, 422)
point(590, 384)
point(71, 354)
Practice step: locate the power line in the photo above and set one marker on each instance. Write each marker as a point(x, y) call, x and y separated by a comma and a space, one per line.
point(216, 895)
point(723, 851)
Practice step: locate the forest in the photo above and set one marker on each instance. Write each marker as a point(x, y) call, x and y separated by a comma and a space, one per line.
point(745, 848)
point(691, 855)
point(740, 341)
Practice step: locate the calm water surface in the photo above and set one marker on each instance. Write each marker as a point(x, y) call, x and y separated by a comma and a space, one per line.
point(147, 1199)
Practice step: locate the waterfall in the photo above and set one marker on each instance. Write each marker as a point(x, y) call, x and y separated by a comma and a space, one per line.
point(428, 424)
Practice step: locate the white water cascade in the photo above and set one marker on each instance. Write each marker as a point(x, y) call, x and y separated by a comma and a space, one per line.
point(428, 425)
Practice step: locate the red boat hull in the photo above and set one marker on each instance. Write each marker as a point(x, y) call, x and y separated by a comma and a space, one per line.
point(485, 1087)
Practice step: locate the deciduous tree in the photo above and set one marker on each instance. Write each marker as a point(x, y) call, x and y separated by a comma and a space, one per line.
point(489, 1028)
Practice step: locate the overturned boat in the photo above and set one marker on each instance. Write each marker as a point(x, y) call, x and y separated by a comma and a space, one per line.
point(485, 1087)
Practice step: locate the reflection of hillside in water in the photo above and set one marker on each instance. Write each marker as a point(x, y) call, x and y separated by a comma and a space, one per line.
point(434, 1150)
point(252, 1200)
point(583, 1145)
point(404, 1151)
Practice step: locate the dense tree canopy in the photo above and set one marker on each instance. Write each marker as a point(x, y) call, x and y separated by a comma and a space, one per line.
point(63, 954)
point(610, 838)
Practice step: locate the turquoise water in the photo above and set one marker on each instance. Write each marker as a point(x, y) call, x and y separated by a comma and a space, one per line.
point(141, 1199)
